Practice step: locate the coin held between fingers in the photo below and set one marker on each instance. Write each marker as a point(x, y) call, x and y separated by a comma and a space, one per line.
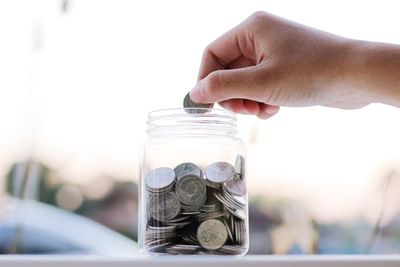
point(194, 107)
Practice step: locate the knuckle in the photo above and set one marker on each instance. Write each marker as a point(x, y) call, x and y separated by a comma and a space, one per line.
point(207, 51)
point(256, 22)
point(259, 14)
point(258, 17)
point(213, 83)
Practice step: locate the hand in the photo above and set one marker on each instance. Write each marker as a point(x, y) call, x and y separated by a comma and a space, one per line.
point(267, 62)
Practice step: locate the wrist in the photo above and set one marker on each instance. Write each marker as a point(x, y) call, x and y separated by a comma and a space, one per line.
point(372, 72)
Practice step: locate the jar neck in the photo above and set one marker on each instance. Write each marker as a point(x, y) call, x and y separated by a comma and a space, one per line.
point(191, 122)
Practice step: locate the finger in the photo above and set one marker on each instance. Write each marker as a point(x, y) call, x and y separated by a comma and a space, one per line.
point(221, 85)
point(226, 49)
point(267, 111)
point(240, 62)
point(241, 106)
point(235, 105)
point(253, 107)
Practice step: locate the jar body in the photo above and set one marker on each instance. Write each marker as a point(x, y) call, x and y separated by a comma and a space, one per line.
point(193, 195)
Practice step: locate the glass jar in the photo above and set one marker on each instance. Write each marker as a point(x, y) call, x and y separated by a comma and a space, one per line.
point(193, 194)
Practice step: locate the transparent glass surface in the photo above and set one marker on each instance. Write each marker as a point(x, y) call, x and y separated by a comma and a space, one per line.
point(183, 202)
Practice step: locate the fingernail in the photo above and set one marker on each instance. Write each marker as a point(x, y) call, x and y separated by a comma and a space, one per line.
point(197, 93)
point(271, 109)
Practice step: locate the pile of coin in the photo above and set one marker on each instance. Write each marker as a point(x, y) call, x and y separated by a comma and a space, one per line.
point(191, 211)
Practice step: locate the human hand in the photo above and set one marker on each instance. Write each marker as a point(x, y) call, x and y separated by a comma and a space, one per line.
point(267, 62)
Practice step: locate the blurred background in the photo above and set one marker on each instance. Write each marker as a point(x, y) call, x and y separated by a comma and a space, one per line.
point(78, 77)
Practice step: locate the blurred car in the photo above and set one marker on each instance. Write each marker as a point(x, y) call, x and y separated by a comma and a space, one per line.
point(31, 227)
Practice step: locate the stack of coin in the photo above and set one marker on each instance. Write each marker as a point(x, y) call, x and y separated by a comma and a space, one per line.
point(160, 180)
point(191, 211)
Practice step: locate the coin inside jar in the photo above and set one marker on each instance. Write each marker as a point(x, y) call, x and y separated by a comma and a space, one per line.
point(187, 168)
point(193, 107)
point(191, 190)
point(240, 166)
point(164, 207)
point(185, 209)
point(160, 179)
point(220, 172)
point(212, 234)
point(236, 186)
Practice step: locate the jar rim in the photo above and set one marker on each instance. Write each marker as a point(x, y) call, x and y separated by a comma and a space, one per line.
point(207, 111)
point(180, 121)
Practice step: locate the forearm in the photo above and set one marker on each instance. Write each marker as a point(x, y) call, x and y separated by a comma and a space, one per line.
point(374, 72)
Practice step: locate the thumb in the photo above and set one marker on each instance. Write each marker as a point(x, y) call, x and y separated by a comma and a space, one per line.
point(221, 85)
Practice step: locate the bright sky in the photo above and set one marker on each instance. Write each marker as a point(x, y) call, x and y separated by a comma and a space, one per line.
point(101, 67)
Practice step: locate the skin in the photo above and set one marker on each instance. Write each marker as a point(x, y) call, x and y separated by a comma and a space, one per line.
point(267, 62)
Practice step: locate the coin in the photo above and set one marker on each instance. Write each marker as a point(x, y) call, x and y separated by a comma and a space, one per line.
point(236, 186)
point(160, 179)
point(190, 214)
point(191, 190)
point(164, 207)
point(240, 214)
point(212, 234)
point(210, 208)
point(228, 229)
point(239, 227)
point(238, 202)
point(220, 172)
point(182, 249)
point(212, 215)
point(231, 204)
point(232, 250)
point(193, 107)
point(187, 168)
point(213, 185)
point(240, 167)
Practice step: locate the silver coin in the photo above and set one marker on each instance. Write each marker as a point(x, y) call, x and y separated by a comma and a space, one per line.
point(236, 186)
point(220, 172)
point(159, 179)
point(239, 232)
point(240, 214)
point(230, 203)
point(164, 207)
point(232, 250)
point(179, 219)
point(195, 212)
point(159, 248)
point(155, 242)
point(210, 208)
point(191, 190)
point(240, 166)
point(190, 239)
point(224, 201)
point(212, 215)
point(239, 202)
point(150, 236)
point(179, 224)
point(186, 169)
point(193, 107)
point(213, 185)
point(229, 231)
point(182, 249)
point(193, 207)
point(212, 234)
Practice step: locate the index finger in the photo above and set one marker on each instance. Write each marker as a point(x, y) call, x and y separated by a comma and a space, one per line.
point(228, 48)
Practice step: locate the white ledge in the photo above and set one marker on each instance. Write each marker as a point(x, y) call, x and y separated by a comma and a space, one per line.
point(202, 261)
